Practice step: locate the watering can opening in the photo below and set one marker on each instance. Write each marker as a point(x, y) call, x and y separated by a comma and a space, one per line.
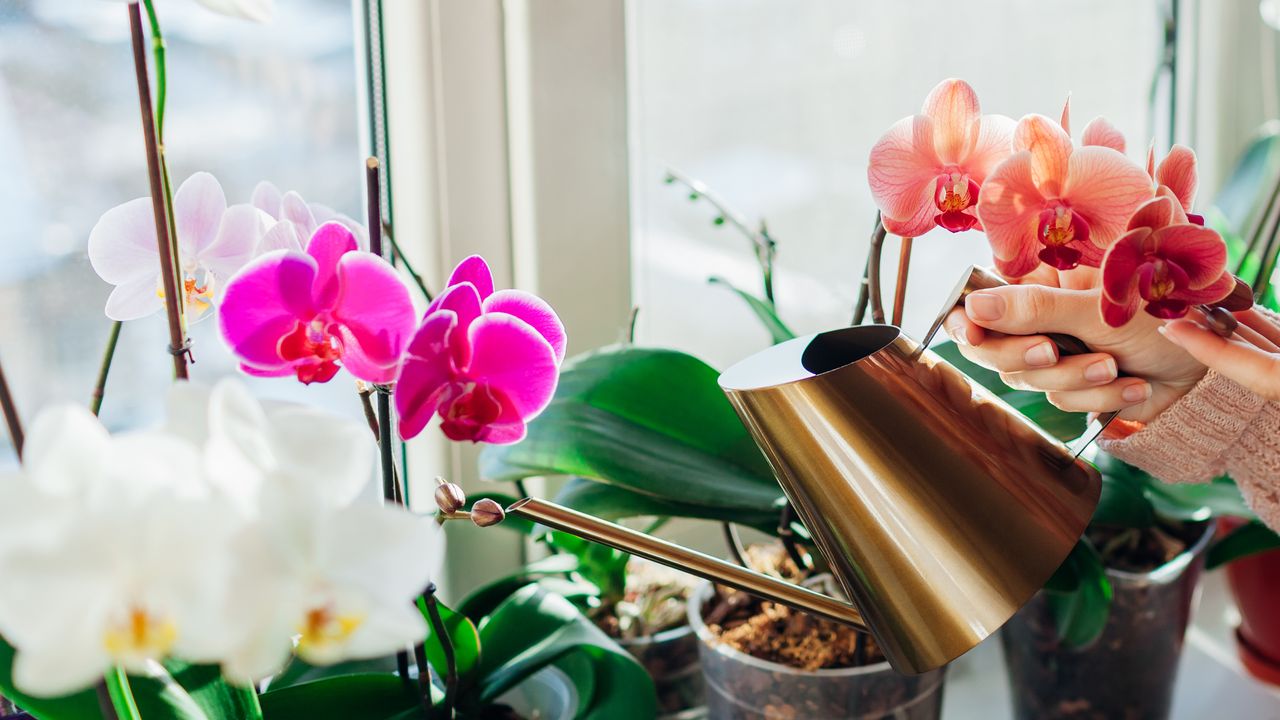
point(807, 357)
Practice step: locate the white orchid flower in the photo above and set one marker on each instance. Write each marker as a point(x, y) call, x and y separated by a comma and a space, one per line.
point(324, 570)
point(297, 219)
point(214, 241)
point(111, 554)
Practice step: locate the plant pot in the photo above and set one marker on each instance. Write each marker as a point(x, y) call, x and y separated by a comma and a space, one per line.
point(546, 695)
point(1255, 583)
point(740, 686)
point(671, 657)
point(1129, 670)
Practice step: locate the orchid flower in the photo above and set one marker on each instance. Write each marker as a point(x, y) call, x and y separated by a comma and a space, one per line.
point(928, 170)
point(1052, 203)
point(1098, 132)
point(1177, 172)
point(327, 571)
point(296, 219)
point(307, 313)
point(487, 362)
point(214, 241)
point(110, 550)
point(1163, 264)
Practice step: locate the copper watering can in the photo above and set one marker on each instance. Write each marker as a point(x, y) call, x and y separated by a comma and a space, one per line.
point(940, 509)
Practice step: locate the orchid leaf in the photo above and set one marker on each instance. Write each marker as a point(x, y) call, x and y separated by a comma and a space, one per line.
point(652, 421)
point(1123, 504)
point(1248, 539)
point(611, 502)
point(764, 312)
point(1081, 613)
point(464, 638)
point(480, 602)
point(1034, 405)
point(535, 628)
point(375, 696)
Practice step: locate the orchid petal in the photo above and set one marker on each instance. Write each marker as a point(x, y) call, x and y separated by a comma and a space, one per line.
point(1117, 314)
point(476, 271)
point(426, 370)
point(505, 433)
point(1199, 251)
point(995, 143)
point(1154, 213)
point(1050, 148)
point(1106, 188)
point(1103, 133)
point(239, 236)
point(1121, 263)
point(198, 207)
point(463, 300)
point(375, 313)
point(1065, 122)
point(902, 172)
point(1178, 172)
point(63, 445)
point(328, 245)
point(256, 10)
point(264, 303)
point(1009, 208)
point(1214, 292)
point(1027, 260)
point(533, 310)
point(953, 107)
point(511, 357)
point(1151, 160)
point(1180, 216)
point(324, 214)
point(266, 197)
point(296, 210)
point(283, 235)
point(122, 245)
point(134, 299)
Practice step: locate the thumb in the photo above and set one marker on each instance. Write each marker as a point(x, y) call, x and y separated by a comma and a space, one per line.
point(1234, 358)
point(1032, 309)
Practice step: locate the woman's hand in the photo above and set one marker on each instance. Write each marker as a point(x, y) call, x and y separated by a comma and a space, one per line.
point(1250, 357)
point(1001, 329)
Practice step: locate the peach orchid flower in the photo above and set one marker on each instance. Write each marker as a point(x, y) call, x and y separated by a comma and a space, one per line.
point(928, 169)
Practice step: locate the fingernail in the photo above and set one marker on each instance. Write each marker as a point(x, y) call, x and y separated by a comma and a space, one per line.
point(1101, 371)
point(1136, 393)
point(984, 306)
point(956, 332)
point(1041, 354)
point(1164, 331)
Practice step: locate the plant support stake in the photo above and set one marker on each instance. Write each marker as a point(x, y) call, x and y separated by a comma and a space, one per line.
point(11, 418)
point(178, 347)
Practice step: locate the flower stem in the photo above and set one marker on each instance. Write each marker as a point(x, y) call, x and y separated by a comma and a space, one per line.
point(11, 417)
point(173, 302)
point(873, 272)
point(100, 387)
point(117, 685)
point(900, 287)
point(446, 645)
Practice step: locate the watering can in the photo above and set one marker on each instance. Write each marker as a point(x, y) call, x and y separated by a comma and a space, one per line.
point(939, 508)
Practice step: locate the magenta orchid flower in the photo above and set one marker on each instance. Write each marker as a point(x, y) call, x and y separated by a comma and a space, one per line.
point(929, 169)
point(1052, 203)
point(1164, 265)
point(307, 313)
point(486, 362)
point(297, 220)
point(214, 241)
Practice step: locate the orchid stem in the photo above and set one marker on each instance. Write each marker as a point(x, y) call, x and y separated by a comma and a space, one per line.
point(173, 302)
point(446, 645)
point(873, 272)
point(11, 418)
point(121, 695)
point(100, 387)
point(900, 288)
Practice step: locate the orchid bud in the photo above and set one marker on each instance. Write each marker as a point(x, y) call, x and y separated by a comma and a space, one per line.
point(487, 512)
point(449, 497)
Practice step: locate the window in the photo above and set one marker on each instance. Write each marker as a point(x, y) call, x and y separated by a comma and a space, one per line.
point(246, 102)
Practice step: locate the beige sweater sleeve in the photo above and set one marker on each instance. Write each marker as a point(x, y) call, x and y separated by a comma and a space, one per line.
point(1219, 427)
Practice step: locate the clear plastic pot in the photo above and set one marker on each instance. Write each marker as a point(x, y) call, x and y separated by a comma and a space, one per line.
point(740, 686)
point(671, 657)
point(546, 695)
point(1129, 671)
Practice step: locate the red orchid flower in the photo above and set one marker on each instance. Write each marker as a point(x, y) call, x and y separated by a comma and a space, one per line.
point(928, 169)
point(1053, 203)
point(1163, 265)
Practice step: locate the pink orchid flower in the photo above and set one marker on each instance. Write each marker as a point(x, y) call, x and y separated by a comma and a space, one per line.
point(1177, 172)
point(307, 313)
point(1052, 203)
point(1099, 131)
point(296, 219)
point(214, 241)
point(929, 169)
point(487, 362)
point(1163, 264)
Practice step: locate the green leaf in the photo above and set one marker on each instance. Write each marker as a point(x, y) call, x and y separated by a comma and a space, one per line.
point(1123, 504)
point(535, 628)
point(299, 671)
point(464, 638)
point(480, 602)
point(378, 696)
point(1196, 501)
point(652, 421)
point(764, 312)
point(1034, 405)
point(1246, 540)
point(211, 692)
point(611, 502)
point(1247, 190)
point(80, 706)
point(1081, 614)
